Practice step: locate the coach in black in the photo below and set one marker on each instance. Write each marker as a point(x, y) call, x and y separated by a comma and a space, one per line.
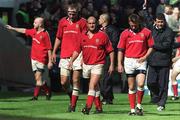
point(107, 80)
point(160, 61)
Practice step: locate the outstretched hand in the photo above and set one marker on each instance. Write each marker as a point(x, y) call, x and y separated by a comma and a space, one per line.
point(9, 27)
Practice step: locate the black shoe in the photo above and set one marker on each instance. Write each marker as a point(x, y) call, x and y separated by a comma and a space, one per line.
point(131, 113)
point(174, 98)
point(48, 96)
point(85, 111)
point(98, 111)
point(106, 101)
point(71, 109)
point(139, 111)
point(34, 98)
point(110, 102)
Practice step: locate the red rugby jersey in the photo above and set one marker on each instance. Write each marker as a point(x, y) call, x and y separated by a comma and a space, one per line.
point(135, 45)
point(95, 49)
point(68, 33)
point(40, 45)
point(178, 40)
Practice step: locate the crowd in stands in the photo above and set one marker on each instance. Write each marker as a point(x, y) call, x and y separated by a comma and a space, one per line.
point(119, 10)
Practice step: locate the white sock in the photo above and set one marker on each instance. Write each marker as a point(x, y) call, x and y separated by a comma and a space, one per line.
point(139, 106)
point(132, 110)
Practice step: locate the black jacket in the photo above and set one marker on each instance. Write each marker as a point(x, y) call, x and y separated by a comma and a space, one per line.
point(163, 46)
point(113, 35)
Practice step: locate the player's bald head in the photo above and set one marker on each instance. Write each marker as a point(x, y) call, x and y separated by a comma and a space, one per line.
point(92, 24)
point(40, 21)
point(92, 18)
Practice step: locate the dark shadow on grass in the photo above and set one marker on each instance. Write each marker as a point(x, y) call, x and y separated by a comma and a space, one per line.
point(116, 112)
point(26, 100)
point(169, 102)
point(161, 114)
point(173, 102)
point(10, 109)
point(8, 95)
point(40, 98)
point(59, 99)
point(81, 99)
point(8, 117)
point(174, 110)
point(119, 104)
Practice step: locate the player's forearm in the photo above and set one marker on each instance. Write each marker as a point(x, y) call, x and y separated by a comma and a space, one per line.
point(49, 56)
point(56, 45)
point(111, 55)
point(74, 56)
point(148, 52)
point(20, 30)
point(120, 57)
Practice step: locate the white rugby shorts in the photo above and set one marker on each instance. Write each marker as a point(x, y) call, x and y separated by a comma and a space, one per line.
point(36, 65)
point(63, 64)
point(92, 69)
point(131, 65)
point(176, 66)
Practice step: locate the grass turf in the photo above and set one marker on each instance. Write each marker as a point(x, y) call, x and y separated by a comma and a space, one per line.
point(16, 106)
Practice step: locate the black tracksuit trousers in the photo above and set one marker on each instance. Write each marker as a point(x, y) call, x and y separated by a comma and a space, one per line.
point(157, 82)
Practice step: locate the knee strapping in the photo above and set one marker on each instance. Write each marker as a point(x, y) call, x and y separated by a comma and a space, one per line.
point(140, 89)
point(92, 93)
point(132, 91)
point(75, 91)
point(97, 93)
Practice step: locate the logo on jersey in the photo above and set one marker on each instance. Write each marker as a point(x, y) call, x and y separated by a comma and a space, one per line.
point(97, 40)
point(77, 25)
point(41, 37)
point(142, 35)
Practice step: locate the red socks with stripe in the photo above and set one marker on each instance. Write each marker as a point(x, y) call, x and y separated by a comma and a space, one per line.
point(75, 95)
point(175, 89)
point(36, 91)
point(90, 98)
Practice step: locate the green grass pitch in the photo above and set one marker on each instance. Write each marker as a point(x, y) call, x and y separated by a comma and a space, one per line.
point(15, 106)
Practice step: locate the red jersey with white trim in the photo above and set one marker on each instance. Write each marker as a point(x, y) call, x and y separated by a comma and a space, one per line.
point(68, 33)
point(135, 45)
point(178, 40)
point(95, 49)
point(40, 45)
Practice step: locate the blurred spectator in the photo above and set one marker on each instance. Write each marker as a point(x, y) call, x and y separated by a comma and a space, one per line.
point(22, 16)
point(160, 7)
point(35, 8)
point(168, 12)
point(173, 2)
point(104, 9)
point(174, 20)
point(98, 4)
point(5, 17)
point(23, 21)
